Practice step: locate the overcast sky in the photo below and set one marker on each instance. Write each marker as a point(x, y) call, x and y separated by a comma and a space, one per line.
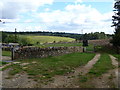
point(70, 16)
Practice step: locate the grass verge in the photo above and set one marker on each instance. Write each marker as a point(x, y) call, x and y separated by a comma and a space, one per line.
point(117, 56)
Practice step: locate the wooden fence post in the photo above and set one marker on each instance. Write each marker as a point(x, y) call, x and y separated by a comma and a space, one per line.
point(12, 50)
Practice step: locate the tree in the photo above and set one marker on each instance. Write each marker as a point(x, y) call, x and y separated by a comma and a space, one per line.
point(24, 41)
point(4, 36)
point(116, 24)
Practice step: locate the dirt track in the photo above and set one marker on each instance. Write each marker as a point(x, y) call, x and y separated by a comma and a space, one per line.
point(69, 80)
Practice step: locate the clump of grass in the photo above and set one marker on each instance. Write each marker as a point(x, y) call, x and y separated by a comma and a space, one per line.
point(83, 78)
point(16, 68)
point(102, 66)
point(3, 63)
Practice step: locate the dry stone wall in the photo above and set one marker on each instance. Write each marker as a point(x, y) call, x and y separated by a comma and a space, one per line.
point(35, 52)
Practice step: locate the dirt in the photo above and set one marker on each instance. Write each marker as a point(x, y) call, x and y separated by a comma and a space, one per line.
point(20, 80)
point(69, 79)
point(107, 80)
point(6, 58)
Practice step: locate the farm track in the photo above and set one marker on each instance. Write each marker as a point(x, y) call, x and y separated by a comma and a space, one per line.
point(109, 79)
point(20, 80)
point(69, 79)
point(6, 58)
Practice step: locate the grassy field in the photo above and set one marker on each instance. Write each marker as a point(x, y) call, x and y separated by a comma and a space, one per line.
point(6, 53)
point(64, 44)
point(48, 39)
point(102, 66)
point(46, 68)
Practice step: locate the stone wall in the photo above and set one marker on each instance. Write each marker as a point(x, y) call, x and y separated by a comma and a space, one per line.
point(35, 52)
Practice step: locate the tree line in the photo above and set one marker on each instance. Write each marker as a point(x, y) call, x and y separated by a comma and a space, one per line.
point(10, 36)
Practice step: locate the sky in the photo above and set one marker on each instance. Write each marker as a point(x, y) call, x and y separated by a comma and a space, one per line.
point(71, 16)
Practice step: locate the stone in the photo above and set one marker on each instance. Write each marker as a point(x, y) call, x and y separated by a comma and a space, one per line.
point(34, 52)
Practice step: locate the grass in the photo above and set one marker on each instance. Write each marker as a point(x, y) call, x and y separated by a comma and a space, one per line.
point(64, 44)
point(3, 63)
point(117, 56)
point(17, 68)
point(46, 68)
point(102, 66)
point(48, 39)
point(90, 47)
point(6, 53)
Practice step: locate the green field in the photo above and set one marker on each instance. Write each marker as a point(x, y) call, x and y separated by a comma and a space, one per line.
point(48, 39)
point(45, 68)
point(64, 44)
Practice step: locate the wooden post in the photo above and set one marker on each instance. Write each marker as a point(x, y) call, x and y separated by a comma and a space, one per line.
point(12, 53)
point(84, 49)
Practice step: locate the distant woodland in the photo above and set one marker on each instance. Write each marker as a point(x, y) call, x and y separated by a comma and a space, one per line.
point(88, 36)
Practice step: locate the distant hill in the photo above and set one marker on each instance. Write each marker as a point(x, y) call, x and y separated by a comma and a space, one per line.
point(46, 39)
point(88, 36)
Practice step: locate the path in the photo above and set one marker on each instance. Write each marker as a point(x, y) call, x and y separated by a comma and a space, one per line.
point(20, 80)
point(6, 58)
point(115, 63)
point(67, 80)
point(70, 80)
point(109, 79)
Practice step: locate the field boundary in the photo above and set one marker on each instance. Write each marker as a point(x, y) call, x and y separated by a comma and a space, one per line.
point(35, 52)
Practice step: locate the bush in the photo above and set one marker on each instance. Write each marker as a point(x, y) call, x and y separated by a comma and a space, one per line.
point(24, 41)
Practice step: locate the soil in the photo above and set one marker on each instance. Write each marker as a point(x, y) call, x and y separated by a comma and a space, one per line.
point(20, 80)
point(109, 79)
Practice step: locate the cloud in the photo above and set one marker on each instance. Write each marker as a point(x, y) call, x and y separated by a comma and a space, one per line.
point(77, 17)
point(10, 9)
point(74, 17)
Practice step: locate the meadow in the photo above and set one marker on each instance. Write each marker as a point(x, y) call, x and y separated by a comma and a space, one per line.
point(46, 68)
point(46, 39)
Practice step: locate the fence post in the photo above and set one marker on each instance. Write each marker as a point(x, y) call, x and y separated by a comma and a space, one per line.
point(84, 49)
point(12, 50)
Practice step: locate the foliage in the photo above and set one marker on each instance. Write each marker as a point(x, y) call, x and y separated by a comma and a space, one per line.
point(89, 36)
point(24, 41)
point(3, 63)
point(93, 36)
point(9, 38)
point(116, 23)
